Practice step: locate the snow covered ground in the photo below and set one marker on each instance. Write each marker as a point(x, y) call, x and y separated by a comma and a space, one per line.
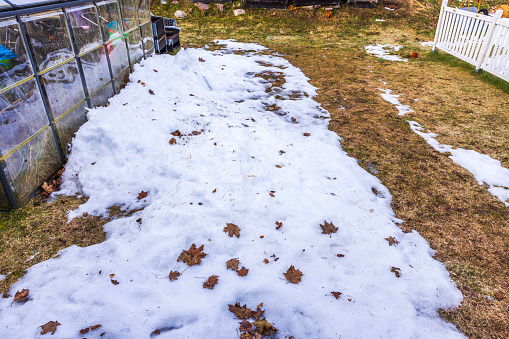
point(484, 168)
point(248, 154)
point(384, 52)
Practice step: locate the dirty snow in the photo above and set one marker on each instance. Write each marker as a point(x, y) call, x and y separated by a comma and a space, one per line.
point(383, 52)
point(3, 276)
point(32, 256)
point(426, 43)
point(485, 169)
point(228, 174)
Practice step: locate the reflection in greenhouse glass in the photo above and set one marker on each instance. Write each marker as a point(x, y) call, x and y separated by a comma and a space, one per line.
point(31, 164)
point(144, 11)
point(85, 27)
point(22, 115)
point(63, 88)
point(49, 38)
point(101, 97)
point(121, 80)
point(129, 13)
point(14, 64)
point(68, 125)
point(135, 47)
point(148, 40)
point(95, 69)
point(117, 51)
point(109, 17)
point(4, 200)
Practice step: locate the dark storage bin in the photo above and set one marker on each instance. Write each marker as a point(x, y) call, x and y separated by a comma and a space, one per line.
point(173, 38)
point(277, 4)
point(166, 34)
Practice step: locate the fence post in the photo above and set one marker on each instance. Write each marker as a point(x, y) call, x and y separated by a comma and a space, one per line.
point(487, 39)
point(440, 23)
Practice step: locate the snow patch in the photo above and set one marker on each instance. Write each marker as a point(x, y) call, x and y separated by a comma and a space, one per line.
point(426, 43)
point(393, 99)
point(383, 52)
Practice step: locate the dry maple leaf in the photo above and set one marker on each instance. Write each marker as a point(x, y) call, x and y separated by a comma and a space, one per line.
point(151, 92)
point(232, 230)
point(266, 260)
point(259, 312)
point(254, 335)
point(174, 275)
point(245, 326)
point(21, 295)
point(50, 326)
point(240, 312)
point(173, 141)
point(336, 294)
point(272, 195)
point(233, 264)
point(242, 272)
point(192, 256)
point(396, 271)
point(264, 327)
point(114, 282)
point(279, 225)
point(328, 228)
point(47, 189)
point(392, 241)
point(176, 133)
point(293, 275)
point(307, 134)
point(142, 195)
point(211, 282)
point(157, 332)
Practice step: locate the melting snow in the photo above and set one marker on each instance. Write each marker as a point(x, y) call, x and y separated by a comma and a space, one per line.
point(251, 165)
point(393, 99)
point(383, 52)
point(426, 43)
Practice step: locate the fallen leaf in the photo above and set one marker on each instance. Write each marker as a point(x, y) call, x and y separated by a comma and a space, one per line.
point(233, 264)
point(49, 327)
point(294, 120)
point(192, 256)
point(21, 295)
point(279, 166)
point(396, 271)
point(499, 296)
point(174, 275)
point(112, 275)
point(157, 332)
point(259, 312)
point(201, 59)
point(85, 214)
point(245, 326)
point(93, 163)
point(155, 70)
point(95, 327)
point(138, 220)
point(232, 230)
point(328, 228)
point(307, 134)
point(211, 282)
point(278, 225)
point(176, 133)
point(240, 312)
point(85, 330)
point(281, 152)
point(340, 255)
point(173, 141)
point(151, 92)
point(247, 335)
point(114, 282)
point(143, 84)
point(336, 294)
point(124, 104)
point(242, 272)
point(266, 260)
point(196, 133)
point(264, 327)
point(273, 108)
point(142, 195)
point(293, 275)
point(47, 189)
point(215, 190)
point(272, 195)
point(392, 241)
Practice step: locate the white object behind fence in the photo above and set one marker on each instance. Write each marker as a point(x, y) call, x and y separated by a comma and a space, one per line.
point(478, 39)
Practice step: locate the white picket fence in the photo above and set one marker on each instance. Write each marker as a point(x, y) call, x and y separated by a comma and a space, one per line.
point(478, 39)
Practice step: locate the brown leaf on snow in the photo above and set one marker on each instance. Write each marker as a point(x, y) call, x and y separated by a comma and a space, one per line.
point(293, 275)
point(340, 255)
point(294, 120)
point(112, 275)
point(264, 327)
point(307, 134)
point(279, 166)
point(50, 326)
point(211, 282)
point(21, 295)
point(151, 92)
point(114, 282)
point(173, 141)
point(200, 59)
point(259, 312)
point(47, 189)
point(254, 335)
point(233, 264)
point(95, 327)
point(396, 271)
point(240, 312)
point(142, 195)
point(278, 225)
point(176, 133)
point(85, 330)
point(196, 133)
point(392, 241)
point(245, 326)
point(174, 275)
point(242, 272)
point(155, 70)
point(192, 256)
point(232, 230)
point(266, 260)
point(336, 294)
point(328, 228)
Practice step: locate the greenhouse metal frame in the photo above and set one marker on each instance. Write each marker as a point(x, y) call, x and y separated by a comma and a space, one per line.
point(56, 60)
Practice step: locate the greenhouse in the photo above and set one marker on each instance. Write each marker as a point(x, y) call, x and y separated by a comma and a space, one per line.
point(56, 59)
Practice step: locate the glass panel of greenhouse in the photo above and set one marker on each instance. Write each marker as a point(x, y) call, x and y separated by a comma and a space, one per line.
point(58, 58)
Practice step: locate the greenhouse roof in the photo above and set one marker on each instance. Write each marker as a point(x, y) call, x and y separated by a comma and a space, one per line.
point(31, 6)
